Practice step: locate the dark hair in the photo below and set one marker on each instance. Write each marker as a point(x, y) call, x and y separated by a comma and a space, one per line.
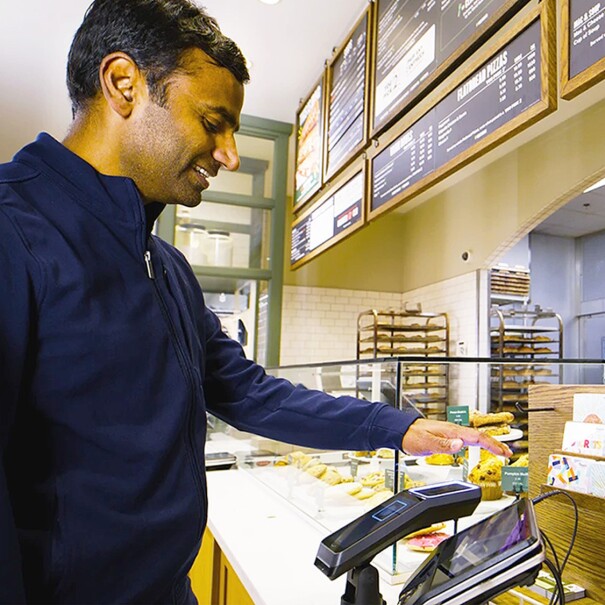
point(154, 33)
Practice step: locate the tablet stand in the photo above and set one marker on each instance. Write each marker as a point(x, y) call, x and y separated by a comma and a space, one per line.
point(362, 587)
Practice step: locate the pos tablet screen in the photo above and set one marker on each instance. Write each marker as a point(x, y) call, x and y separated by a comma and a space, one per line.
point(504, 547)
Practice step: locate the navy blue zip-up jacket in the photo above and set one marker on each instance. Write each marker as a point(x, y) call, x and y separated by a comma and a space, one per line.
point(109, 360)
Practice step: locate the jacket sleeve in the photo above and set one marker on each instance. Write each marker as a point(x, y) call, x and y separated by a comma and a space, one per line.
point(16, 299)
point(239, 392)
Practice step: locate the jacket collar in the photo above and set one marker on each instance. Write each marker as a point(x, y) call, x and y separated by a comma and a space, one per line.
point(107, 194)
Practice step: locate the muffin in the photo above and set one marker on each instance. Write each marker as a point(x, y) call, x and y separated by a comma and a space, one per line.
point(440, 459)
point(487, 474)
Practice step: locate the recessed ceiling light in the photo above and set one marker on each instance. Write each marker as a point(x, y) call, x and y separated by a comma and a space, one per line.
point(598, 184)
point(269, 1)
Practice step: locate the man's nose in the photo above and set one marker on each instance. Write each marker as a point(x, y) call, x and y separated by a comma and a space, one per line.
point(226, 153)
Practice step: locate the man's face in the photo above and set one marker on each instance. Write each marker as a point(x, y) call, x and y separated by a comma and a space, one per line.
point(172, 150)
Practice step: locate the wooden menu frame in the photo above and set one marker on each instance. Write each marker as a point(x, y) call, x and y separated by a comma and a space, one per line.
point(573, 86)
point(545, 12)
point(318, 152)
point(444, 69)
point(358, 167)
point(330, 171)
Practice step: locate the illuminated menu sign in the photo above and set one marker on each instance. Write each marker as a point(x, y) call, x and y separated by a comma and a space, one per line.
point(586, 35)
point(501, 89)
point(417, 42)
point(346, 113)
point(328, 221)
point(309, 147)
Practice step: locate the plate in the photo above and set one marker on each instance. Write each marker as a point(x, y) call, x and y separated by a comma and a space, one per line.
point(512, 436)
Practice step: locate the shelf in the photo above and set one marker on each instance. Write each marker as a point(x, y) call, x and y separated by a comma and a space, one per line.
point(228, 279)
point(410, 333)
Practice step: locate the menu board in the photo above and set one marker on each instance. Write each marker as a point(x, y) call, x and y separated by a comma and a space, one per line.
point(419, 43)
point(328, 221)
point(309, 157)
point(587, 34)
point(476, 111)
point(583, 54)
point(347, 98)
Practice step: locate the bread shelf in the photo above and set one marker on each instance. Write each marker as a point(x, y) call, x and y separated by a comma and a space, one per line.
point(533, 338)
point(410, 333)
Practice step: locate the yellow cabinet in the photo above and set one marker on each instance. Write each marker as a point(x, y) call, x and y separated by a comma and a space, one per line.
point(213, 580)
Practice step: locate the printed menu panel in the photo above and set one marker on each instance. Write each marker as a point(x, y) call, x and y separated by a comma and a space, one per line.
point(346, 110)
point(502, 88)
point(418, 41)
point(586, 34)
point(330, 219)
point(309, 158)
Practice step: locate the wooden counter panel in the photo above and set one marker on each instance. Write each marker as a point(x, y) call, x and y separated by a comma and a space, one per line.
point(586, 565)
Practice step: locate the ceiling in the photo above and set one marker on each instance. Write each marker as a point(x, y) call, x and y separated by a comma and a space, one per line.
point(286, 44)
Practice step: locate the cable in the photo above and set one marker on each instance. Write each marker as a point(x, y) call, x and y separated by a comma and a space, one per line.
point(552, 548)
point(546, 495)
point(560, 594)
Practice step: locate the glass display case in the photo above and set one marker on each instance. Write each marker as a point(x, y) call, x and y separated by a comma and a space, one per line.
point(331, 488)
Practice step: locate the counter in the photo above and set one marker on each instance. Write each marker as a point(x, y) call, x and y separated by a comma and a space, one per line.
point(270, 545)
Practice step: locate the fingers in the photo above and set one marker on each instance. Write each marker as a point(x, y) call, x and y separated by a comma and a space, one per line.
point(434, 436)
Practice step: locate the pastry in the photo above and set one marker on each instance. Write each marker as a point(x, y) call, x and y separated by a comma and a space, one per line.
point(477, 419)
point(426, 542)
point(331, 476)
point(495, 430)
point(426, 530)
point(385, 452)
point(317, 470)
point(522, 460)
point(373, 479)
point(487, 474)
point(440, 459)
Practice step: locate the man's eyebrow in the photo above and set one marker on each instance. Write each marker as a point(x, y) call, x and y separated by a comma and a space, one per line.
point(224, 113)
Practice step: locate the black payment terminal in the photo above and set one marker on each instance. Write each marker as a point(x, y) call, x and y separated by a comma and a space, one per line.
point(358, 542)
point(496, 554)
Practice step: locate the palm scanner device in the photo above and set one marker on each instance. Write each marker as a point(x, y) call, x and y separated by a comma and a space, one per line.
point(502, 551)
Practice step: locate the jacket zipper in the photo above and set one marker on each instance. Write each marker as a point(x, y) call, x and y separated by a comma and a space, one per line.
point(149, 265)
point(190, 381)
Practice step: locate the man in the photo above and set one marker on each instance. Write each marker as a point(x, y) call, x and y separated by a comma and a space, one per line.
point(109, 358)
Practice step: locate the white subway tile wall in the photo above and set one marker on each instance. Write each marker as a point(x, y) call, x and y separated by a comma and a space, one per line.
point(320, 324)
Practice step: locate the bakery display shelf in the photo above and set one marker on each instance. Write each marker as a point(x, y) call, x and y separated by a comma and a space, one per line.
point(414, 327)
point(419, 373)
point(410, 333)
point(526, 329)
point(401, 338)
point(415, 386)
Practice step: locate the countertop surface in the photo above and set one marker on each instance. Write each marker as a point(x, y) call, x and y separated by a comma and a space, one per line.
point(270, 545)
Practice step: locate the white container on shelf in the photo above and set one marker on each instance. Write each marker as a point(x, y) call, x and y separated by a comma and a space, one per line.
point(219, 248)
point(190, 239)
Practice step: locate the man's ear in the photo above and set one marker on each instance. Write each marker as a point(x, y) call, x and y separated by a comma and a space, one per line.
point(122, 82)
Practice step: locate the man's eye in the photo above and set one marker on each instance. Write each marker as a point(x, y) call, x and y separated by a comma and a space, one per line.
point(211, 127)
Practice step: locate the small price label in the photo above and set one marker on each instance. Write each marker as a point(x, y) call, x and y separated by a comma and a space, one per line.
point(354, 467)
point(465, 469)
point(515, 479)
point(458, 414)
point(389, 479)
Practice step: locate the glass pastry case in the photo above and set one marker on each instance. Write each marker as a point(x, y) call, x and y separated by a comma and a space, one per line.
point(331, 488)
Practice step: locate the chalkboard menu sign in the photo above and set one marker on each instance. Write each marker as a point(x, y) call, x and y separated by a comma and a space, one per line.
point(500, 97)
point(309, 146)
point(583, 52)
point(418, 43)
point(347, 116)
point(330, 219)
